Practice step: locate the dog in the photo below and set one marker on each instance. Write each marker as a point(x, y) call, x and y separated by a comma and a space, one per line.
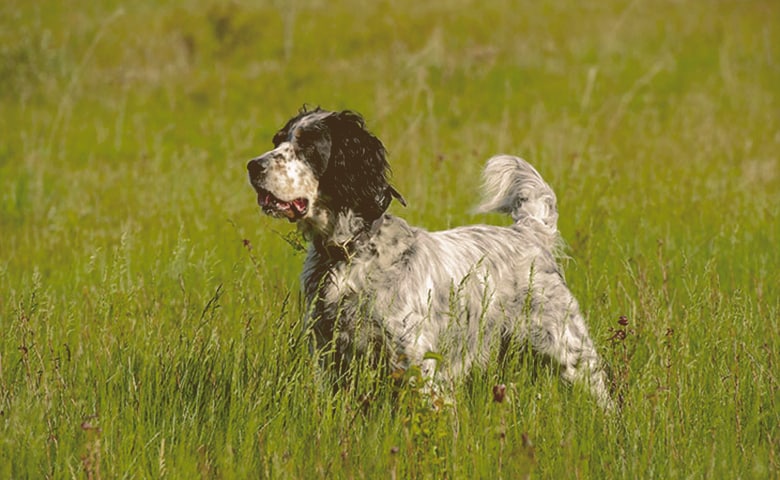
point(439, 301)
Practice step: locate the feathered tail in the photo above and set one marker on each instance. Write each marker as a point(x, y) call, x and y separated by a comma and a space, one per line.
point(512, 186)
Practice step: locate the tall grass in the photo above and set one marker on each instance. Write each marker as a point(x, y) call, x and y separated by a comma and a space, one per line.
point(151, 316)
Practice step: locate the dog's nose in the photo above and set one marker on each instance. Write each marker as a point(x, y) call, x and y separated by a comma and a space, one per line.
point(255, 166)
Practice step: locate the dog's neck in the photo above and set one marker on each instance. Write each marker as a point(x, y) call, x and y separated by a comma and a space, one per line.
point(342, 235)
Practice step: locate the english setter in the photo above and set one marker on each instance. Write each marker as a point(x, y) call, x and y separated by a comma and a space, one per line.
point(371, 280)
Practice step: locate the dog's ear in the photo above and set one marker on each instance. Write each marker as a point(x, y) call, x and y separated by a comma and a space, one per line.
point(396, 194)
point(356, 177)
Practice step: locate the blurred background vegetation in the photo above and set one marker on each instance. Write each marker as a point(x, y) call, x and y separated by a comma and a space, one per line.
point(130, 240)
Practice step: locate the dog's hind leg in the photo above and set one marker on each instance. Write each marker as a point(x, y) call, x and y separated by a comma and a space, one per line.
point(581, 363)
point(557, 330)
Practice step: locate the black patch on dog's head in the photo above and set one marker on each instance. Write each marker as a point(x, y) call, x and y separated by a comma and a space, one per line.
point(356, 177)
point(350, 163)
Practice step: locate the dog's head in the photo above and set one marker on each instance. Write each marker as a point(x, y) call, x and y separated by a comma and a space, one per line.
point(324, 163)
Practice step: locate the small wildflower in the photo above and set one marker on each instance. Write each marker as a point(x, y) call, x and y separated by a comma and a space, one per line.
point(619, 335)
point(499, 392)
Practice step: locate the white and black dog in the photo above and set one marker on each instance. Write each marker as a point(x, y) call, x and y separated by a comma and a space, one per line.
point(374, 283)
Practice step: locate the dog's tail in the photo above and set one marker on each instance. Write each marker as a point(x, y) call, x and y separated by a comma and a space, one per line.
point(512, 186)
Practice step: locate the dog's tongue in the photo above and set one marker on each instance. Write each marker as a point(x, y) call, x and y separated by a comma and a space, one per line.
point(295, 209)
point(291, 210)
point(299, 205)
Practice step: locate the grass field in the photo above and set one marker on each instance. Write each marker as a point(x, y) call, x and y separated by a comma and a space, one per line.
point(150, 315)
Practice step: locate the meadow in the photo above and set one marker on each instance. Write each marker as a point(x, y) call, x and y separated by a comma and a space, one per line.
point(150, 316)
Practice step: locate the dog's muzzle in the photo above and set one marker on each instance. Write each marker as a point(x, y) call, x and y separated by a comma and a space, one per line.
point(272, 205)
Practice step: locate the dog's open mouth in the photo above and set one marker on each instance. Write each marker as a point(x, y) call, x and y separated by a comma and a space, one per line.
point(275, 207)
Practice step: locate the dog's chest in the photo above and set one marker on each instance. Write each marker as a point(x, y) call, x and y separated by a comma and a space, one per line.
point(353, 285)
point(344, 284)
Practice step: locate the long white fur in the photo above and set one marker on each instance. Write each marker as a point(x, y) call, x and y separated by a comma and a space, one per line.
point(456, 292)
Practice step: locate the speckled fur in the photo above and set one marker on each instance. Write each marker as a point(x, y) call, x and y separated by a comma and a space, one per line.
point(457, 293)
